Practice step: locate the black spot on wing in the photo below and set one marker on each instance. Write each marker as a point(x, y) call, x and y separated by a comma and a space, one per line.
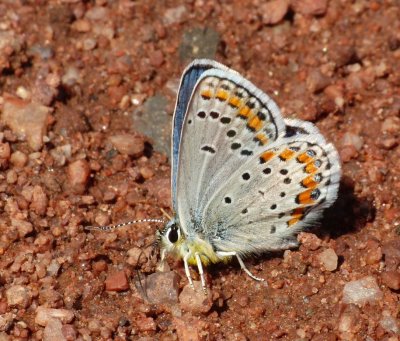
point(208, 149)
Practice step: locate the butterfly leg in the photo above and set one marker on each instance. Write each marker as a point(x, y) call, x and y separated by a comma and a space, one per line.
point(201, 272)
point(163, 253)
point(242, 265)
point(187, 271)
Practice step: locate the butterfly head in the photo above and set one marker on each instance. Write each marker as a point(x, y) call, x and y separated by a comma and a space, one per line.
point(171, 237)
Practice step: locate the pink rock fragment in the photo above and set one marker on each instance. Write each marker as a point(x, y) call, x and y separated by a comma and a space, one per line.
point(117, 281)
point(27, 120)
point(196, 301)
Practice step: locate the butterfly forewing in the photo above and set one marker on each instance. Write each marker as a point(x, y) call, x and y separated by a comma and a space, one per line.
point(189, 79)
point(228, 122)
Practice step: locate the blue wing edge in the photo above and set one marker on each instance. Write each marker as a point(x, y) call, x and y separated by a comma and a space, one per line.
point(190, 76)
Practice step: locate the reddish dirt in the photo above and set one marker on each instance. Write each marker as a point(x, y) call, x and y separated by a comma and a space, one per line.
point(87, 90)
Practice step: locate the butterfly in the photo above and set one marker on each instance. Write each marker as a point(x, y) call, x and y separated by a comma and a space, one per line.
point(245, 180)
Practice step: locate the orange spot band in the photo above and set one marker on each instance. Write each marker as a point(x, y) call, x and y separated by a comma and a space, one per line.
point(286, 154)
point(222, 95)
point(245, 112)
point(304, 198)
point(207, 94)
point(310, 168)
point(266, 156)
point(255, 123)
point(309, 182)
point(293, 221)
point(262, 138)
point(304, 158)
point(235, 102)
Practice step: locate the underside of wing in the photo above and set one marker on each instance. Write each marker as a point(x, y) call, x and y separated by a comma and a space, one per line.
point(279, 192)
point(189, 79)
point(228, 122)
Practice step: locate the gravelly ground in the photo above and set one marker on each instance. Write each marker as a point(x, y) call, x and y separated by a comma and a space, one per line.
point(87, 90)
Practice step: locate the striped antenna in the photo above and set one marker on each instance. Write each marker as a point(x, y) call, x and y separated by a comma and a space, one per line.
point(113, 227)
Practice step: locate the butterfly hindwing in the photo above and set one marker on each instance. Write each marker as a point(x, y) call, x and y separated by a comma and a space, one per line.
point(274, 195)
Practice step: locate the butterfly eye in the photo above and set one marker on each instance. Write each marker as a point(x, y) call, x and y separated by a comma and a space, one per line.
point(173, 234)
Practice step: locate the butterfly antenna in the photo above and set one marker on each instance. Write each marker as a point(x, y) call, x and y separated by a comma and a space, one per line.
point(116, 226)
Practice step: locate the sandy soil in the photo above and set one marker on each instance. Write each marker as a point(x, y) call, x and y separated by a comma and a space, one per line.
point(87, 90)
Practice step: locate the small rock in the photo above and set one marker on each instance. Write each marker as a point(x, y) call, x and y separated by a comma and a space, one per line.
point(78, 176)
point(51, 298)
point(391, 125)
point(136, 257)
point(100, 266)
point(309, 7)
point(71, 76)
point(94, 325)
point(381, 70)
point(116, 94)
point(362, 291)
point(61, 154)
point(387, 142)
point(11, 43)
point(175, 15)
point(69, 332)
point(23, 93)
point(389, 324)
point(195, 301)
point(273, 12)
point(39, 201)
point(146, 172)
point(146, 324)
point(329, 259)
point(19, 296)
point(43, 52)
point(351, 139)
point(349, 322)
point(316, 81)
point(391, 250)
point(81, 25)
point(343, 53)
point(394, 43)
point(156, 58)
point(347, 153)
point(27, 120)
point(162, 287)
point(53, 331)
point(5, 151)
point(190, 328)
point(89, 44)
point(391, 279)
point(53, 268)
point(45, 315)
point(23, 227)
point(117, 281)
point(160, 189)
point(45, 89)
point(3, 307)
point(309, 240)
point(373, 252)
point(335, 93)
point(19, 159)
point(12, 176)
point(97, 13)
point(128, 144)
point(6, 321)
